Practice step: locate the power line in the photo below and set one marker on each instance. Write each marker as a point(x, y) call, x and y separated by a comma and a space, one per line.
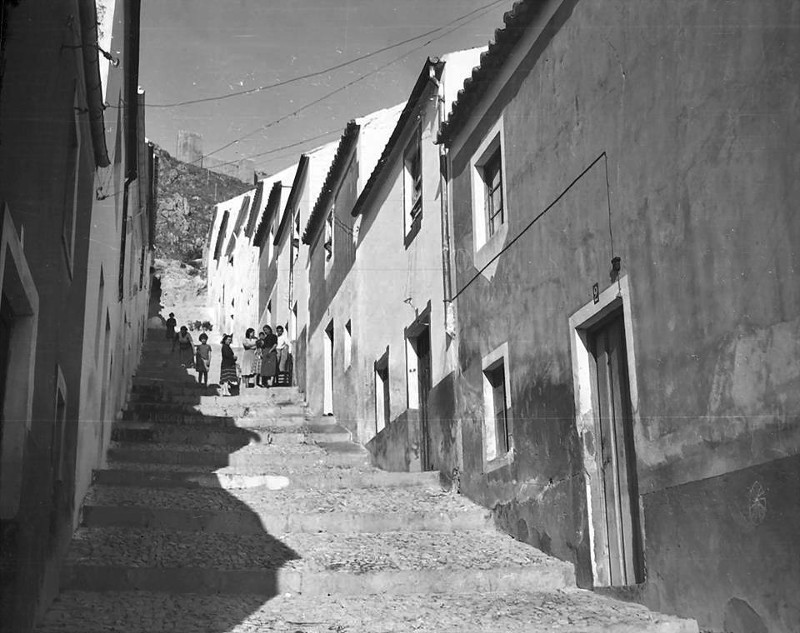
point(350, 83)
point(317, 73)
point(279, 149)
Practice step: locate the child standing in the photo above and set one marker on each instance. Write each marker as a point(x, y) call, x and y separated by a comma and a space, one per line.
point(203, 360)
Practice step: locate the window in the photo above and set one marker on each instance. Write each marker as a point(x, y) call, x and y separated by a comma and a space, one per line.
point(295, 237)
point(493, 193)
point(412, 183)
point(348, 344)
point(489, 200)
point(496, 378)
point(328, 244)
point(498, 439)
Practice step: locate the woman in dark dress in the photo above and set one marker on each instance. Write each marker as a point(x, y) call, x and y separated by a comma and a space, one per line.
point(269, 357)
point(227, 371)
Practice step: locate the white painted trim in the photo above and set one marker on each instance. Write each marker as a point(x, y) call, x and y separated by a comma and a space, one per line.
point(612, 298)
point(485, 248)
point(491, 459)
point(18, 404)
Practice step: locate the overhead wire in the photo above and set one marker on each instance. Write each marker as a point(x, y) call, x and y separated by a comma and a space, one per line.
point(317, 73)
point(356, 80)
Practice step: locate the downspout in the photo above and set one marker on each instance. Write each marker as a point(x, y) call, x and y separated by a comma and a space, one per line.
point(449, 320)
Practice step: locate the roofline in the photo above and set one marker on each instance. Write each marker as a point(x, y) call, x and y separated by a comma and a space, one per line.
point(515, 23)
point(299, 175)
point(272, 200)
point(346, 143)
point(244, 212)
point(432, 65)
point(250, 226)
point(94, 86)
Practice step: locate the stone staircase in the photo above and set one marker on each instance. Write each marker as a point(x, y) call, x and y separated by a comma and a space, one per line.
point(240, 514)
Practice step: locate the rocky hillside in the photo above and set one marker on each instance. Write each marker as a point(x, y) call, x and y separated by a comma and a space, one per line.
point(186, 198)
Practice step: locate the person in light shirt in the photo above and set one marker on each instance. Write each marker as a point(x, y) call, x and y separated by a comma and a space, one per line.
point(283, 349)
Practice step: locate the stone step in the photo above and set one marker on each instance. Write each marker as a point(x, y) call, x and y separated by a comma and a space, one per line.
point(186, 387)
point(298, 476)
point(198, 419)
point(122, 559)
point(220, 407)
point(255, 455)
point(227, 435)
point(290, 510)
point(565, 611)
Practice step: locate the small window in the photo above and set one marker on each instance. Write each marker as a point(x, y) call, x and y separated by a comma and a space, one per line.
point(498, 433)
point(328, 244)
point(489, 200)
point(348, 344)
point(493, 193)
point(412, 181)
point(496, 378)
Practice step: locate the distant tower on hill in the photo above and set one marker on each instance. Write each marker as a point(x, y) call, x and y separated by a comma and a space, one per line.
point(189, 147)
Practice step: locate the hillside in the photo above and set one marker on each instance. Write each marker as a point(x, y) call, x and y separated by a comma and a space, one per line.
point(186, 198)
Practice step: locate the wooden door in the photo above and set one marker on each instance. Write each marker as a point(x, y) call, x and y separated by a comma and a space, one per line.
point(617, 456)
point(424, 381)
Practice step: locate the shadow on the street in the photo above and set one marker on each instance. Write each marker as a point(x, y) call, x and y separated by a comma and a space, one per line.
point(232, 554)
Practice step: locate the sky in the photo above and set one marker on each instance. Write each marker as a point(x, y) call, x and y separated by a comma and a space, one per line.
point(202, 49)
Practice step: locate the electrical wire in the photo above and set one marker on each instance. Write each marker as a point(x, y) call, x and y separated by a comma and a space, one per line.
point(348, 84)
point(317, 73)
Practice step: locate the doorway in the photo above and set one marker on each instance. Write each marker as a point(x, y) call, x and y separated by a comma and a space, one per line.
point(327, 395)
point(616, 456)
point(606, 414)
point(382, 395)
point(421, 347)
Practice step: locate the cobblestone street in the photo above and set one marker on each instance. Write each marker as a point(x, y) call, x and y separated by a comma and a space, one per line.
point(240, 514)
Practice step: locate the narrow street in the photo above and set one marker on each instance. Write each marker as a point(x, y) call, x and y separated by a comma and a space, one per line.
point(241, 514)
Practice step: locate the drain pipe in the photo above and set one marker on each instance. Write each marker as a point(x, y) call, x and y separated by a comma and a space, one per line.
point(449, 321)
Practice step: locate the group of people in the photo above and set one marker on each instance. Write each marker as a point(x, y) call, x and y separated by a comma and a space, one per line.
point(266, 356)
point(188, 355)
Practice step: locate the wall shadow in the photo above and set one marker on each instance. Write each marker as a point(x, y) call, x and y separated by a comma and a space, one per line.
point(162, 476)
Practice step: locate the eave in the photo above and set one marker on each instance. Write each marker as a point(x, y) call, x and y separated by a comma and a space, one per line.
point(272, 203)
point(346, 144)
point(94, 87)
point(243, 212)
point(254, 208)
point(299, 177)
point(432, 69)
point(516, 21)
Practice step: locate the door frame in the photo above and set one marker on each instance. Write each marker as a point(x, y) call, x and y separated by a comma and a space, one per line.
point(613, 299)
point(412, 333)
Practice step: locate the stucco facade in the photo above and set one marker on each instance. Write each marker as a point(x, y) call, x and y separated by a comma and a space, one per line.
point(661, 134)
point(400, 335)
point(76, 194)
point(331, 236)
point(229, 256)
point(302, 196)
